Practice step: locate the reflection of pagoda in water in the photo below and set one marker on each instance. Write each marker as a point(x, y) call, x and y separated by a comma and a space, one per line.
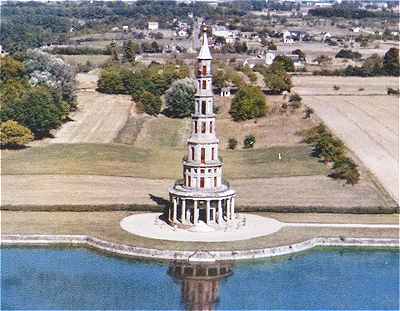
point(200, 288)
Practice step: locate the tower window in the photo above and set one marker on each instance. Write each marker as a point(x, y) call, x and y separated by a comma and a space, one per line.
point(189, 181)
point(204, 86)
point(215, 181)
point(201, 182)
point(212, 153)
point(203, 155)
point(195, 127)
point(192, 153)
point(203, 107)
point(211, 127)
point(203, 127)
point(204, 70)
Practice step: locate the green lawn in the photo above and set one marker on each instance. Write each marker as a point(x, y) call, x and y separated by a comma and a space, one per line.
point(126, 160)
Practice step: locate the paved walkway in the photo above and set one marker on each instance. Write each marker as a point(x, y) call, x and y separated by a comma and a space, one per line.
point(245, 227)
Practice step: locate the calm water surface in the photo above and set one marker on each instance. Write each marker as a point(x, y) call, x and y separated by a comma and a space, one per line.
point(46, 278)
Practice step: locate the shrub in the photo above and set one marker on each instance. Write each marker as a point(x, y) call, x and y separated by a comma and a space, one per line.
point(391, 91)
point(248, 103)
point(391, 62)
point(348, 54)
point(295, 98)
point(12, 134)
point(249, 141)
point(179, 98)
point(232, 143)
point(308, 112)
point(346, 169)
point(151, 103)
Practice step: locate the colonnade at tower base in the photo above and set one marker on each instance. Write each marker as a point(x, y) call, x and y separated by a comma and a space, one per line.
point(216, 209)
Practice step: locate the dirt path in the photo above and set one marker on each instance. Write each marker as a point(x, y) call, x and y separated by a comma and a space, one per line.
point(369, 127)
point(99, 117)
point(288, 192)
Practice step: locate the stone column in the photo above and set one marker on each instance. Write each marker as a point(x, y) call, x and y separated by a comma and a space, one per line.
point(233, 207)
point(220, 219)
point(208, 212)
point(175, 209)
point(228, 210)
point(196, 213)
point(183, 211)
point(170, 209)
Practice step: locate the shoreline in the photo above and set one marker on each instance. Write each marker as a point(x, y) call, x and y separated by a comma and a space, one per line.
point(240, 208)
point(192, 256)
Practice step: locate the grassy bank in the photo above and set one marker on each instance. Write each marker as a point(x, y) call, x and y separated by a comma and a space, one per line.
point(157, 163)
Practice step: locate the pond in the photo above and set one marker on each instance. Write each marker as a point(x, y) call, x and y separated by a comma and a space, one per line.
point(75, 278)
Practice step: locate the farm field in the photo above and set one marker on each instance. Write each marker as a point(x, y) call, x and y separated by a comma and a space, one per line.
point(369, 125)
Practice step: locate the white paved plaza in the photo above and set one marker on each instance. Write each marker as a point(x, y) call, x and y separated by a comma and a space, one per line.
point(247, 226)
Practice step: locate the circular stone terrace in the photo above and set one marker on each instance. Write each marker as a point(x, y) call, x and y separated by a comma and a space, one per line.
point(150, 225)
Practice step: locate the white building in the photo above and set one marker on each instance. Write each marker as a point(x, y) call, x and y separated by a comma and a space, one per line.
point(152, 26)
point(229, 35)
point(202, 195)
point(125, 28)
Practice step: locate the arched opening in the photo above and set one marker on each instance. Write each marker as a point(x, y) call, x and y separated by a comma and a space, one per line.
point(203, 107)
point(203, 155)
point(204, 86)
point(192, 151)
point(195, 127)
point(204, 70)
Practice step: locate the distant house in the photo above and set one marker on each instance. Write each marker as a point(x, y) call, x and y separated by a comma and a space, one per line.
point(326, 36)
point(2, 52)
point(115, 29)
point(289, 36)
point(125, 28)
point(270, 56)
point(182, 33)
point(225, 91)
point(229, 35)
point(356, 29)
point(152, 26)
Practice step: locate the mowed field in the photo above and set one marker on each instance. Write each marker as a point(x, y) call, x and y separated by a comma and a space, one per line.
point(367, 123)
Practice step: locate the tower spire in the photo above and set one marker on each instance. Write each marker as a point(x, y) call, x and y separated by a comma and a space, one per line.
point(205, 50)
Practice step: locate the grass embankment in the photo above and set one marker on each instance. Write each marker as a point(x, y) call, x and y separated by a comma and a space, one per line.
point(156, 163)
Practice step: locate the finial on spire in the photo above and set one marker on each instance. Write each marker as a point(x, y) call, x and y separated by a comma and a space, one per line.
point(205, 50)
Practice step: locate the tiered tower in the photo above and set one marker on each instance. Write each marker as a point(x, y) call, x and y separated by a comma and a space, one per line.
point(202, 195)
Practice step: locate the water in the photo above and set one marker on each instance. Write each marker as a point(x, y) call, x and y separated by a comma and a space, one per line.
point(48, 278)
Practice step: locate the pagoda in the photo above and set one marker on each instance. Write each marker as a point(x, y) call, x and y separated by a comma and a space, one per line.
point(202, 196)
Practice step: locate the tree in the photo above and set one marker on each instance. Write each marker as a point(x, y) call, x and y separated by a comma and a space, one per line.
point(37, 110)
point(278, 81)
point(130, 49)
point(301, 54)
point(391, 63)
point(179, 98)
point(151, 103)
point(10, 68)
point(285, 62)
point(111, 82)
point(249, 141)
point(12, 134)
point(248, 103)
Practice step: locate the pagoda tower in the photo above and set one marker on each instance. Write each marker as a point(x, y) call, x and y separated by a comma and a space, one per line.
point(202, 195)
